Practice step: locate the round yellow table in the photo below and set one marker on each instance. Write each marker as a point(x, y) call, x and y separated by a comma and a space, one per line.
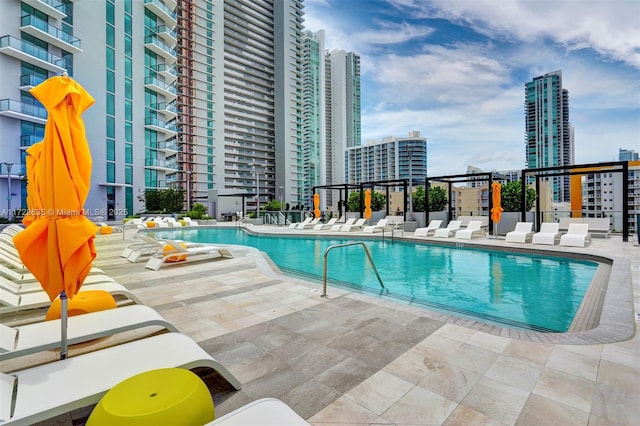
point(83, 302)
point(167, 396)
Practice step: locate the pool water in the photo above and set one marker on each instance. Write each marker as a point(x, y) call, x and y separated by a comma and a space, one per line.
point(514, 290)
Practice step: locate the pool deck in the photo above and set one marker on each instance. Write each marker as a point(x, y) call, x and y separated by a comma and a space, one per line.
point(357, 359)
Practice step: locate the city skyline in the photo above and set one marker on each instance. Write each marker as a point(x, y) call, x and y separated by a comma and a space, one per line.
point(456, 71)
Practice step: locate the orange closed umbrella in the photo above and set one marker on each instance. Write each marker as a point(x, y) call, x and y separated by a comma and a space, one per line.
point(316, 205)
point(496, 210)
point(57, 246)
point(367, 204)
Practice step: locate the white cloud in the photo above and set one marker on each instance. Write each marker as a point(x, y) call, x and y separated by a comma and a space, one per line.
point(608, 27)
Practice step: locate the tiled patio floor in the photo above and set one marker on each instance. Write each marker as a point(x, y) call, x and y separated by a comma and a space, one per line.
point(355, 359)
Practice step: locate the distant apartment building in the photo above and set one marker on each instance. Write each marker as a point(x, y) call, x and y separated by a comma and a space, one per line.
point(628, 155)
point(190, 94)
point(602, 196)
point(343, 105)
point(313, 115)
point(391, 158)
point(549, 134)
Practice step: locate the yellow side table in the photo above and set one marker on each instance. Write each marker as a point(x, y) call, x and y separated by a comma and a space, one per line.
point(167, 396)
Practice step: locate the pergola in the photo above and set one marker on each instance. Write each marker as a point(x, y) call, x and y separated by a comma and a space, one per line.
point(577, 171)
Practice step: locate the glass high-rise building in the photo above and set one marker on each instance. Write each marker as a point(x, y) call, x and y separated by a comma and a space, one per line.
point(190, 94)
point(313, 115)
point(549, 135)
point(343, 109)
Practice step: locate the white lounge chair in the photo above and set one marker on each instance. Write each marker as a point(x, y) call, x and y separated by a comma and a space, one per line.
point(429, 230)
point(27, 277)
point(309, 225)
point(382, 225)
point(148, 245)
point(11, 302)
point(549, 234)
point(45, 335)
point(449, 231)
point(263, 412)
point(35, 393)
point(160, 257)
point(189, 222)
point(474, 229)
point(323, 226)
point(357, 226)
point(577, 235)
point(339, 225)
point(296, 225)
point(522, 233)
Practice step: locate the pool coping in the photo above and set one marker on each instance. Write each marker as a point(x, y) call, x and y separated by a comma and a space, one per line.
point(617, 318)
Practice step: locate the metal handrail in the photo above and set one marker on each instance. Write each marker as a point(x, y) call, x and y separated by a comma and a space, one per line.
point(326, 253)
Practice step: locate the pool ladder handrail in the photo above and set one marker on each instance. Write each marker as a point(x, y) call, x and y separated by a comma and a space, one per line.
point(366, 250)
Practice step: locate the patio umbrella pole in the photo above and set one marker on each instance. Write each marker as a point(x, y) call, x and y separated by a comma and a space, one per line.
point(63, 325)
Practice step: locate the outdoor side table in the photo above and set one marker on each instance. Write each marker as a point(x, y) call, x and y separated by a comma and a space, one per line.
point(82, 303)
point(167, 396)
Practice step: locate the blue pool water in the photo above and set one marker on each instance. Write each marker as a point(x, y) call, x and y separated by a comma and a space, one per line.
point(514, 290)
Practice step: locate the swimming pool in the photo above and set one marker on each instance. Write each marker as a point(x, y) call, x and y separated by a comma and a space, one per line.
point(530, 292)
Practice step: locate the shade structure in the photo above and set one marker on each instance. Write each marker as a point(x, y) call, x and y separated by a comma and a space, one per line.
point(57, 246)
point(496, 210)
point(316, 205)
point(367, 204)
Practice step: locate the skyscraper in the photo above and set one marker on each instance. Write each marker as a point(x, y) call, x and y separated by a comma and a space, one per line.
point(190, 94)
point(549, 135)
point(313, 114)
point(343, 113)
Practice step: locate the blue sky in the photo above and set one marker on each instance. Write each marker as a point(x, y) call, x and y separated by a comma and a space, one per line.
point(456, 70)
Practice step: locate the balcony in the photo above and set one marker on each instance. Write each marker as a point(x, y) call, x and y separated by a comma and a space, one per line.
point(52, 35)
point(161, 165)
point(29, 81)
point(168, 72)
point(167, 128)
point(53, 8)
point(18, 171)
point(160, 48)
point(169, 147)
point(27, 140)
point(168, 35)
point(159, 86)
point(167, 109)
point(21, 111)
point(162, 11)
point(30, 53)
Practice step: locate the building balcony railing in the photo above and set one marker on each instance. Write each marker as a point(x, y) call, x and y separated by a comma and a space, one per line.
point(30, 53)
point(162, 11)
point(167, 128)
point(169, 147)
point(160, 48)
point(168, 90)
point(18, 171)
point(27, 140)
point(168, 109)
point(41, 29)
point(168, 72)
point(167, 34)
point(53, 8)
point(157, 164)
point(28, 81)
point(21, 111)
